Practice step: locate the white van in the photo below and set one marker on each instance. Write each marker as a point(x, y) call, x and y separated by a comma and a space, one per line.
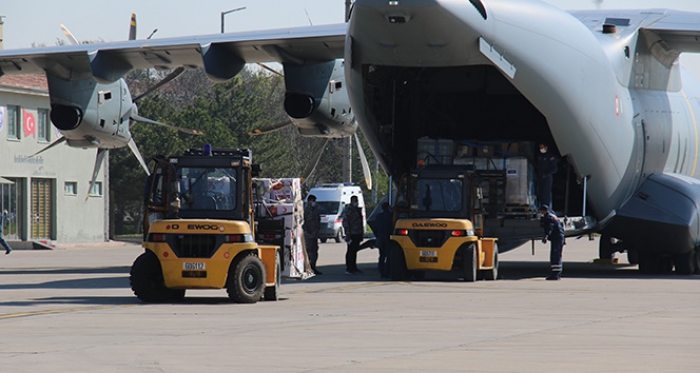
point(331, 200)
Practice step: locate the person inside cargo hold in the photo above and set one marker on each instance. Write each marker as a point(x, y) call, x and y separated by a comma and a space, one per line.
point(546, 167)
point(312, 225)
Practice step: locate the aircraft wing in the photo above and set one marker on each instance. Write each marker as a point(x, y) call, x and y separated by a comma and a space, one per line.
point(679, 30)
point(110, 61)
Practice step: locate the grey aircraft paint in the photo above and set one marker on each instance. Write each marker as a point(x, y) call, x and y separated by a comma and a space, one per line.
point(604, 87)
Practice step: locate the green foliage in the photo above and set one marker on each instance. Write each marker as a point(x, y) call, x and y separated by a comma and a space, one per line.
point(225, 113)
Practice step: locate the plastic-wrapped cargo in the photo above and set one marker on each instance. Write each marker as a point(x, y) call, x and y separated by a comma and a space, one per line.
point(519, 176)
point(435, 151)
point(279, 215)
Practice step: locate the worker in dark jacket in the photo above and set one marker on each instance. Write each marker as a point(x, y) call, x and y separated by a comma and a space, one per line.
point(554, 232)
point(546, 167)
point(354, 228)
point(312, 225)
point(384, 224)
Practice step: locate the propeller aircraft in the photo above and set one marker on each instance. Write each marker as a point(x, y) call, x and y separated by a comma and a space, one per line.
point(604, 87)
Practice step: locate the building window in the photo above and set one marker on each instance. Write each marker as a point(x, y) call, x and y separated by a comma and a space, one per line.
point(44, 125)
point(70, 188)
point(13, 122)
point(96, 189)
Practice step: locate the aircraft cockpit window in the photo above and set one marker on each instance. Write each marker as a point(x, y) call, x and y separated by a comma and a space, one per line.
point(207, 188)
point(439, 195)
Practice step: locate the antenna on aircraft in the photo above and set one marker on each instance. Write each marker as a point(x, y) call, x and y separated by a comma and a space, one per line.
point(152, 33)
point(598, 3)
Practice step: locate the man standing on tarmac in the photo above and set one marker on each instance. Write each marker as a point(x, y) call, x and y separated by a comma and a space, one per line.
point(354, 233)
point(554, 232)
point(312, 224)
point(384, 224)
point(4, 244)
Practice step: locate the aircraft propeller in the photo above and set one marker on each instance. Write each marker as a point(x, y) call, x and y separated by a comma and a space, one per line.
point(130, 114)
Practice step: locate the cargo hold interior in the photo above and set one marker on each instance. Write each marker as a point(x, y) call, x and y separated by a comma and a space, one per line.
point(468, 112)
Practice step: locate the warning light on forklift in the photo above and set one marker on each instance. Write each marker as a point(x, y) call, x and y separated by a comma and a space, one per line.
point(207, 149)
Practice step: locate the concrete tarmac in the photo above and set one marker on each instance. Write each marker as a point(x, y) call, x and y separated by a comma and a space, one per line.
point(71, 310)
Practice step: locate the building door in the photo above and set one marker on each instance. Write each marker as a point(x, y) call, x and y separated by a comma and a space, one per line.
point(42, 208)
point(10, 199)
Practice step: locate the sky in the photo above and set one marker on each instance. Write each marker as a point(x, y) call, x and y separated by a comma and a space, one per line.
point(37, 21)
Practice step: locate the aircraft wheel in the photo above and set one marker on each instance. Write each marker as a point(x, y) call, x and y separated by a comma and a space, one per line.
point(397, 263)
point(697, 261)
point(684, 263)
point(492, 274)
point(146, 278)
point(648, 263)
point(273, 292)
point(633, 256)
point(246, 279)
point(469, 263)
point(666, 264)
point(605, 248)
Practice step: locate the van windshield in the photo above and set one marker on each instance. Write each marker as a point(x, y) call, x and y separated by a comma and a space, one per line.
point(327, 207)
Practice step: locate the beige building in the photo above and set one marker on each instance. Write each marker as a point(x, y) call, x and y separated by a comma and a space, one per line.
point(45, 198)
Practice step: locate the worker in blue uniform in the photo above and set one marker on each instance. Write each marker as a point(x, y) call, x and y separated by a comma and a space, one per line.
point(546, 168)
point(554, 232)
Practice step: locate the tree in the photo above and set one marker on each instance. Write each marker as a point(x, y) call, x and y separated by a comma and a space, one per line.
point(225, 113)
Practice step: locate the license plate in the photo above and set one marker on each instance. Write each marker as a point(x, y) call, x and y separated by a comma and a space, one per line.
point(428, 253)
point(324, 219)
point(193, 266)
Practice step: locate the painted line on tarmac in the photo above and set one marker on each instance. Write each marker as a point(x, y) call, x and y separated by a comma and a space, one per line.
point(349, 287)
point(65, 310)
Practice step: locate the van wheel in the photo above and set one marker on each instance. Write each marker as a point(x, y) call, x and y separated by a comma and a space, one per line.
point(323, 240)
point(273, 292)
point(146, 278)
point(469, 263)
point(246, 279)
point(397, 263)
point(339, 236)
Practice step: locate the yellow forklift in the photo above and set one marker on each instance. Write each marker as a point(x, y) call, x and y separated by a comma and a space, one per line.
point(199, 226)
point(439, 226)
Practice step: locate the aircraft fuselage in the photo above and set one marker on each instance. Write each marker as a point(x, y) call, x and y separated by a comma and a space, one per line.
point(527, 71)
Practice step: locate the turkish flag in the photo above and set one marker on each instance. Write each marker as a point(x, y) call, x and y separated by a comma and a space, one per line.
point(29, 124)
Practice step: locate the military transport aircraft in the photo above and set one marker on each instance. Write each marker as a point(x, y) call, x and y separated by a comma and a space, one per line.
point(603, 87)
